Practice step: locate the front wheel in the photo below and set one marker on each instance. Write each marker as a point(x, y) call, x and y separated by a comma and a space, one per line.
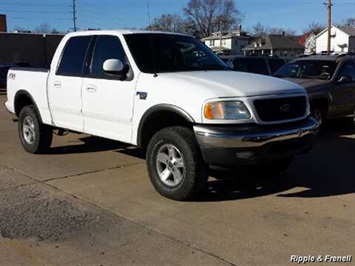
point(35, 137)
point(175, 165)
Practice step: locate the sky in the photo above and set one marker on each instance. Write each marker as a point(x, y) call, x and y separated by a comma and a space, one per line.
point(116, 14)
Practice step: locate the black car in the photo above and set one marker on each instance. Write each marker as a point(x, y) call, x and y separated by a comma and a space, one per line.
point(265, 65)
point(3, 75)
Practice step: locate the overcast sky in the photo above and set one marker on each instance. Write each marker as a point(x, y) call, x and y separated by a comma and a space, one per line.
point(113, 14)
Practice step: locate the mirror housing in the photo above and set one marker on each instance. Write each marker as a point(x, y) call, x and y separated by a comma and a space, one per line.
point(344, 79)
point(113, 67)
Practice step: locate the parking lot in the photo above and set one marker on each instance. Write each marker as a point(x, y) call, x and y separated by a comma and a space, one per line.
point(89, 202)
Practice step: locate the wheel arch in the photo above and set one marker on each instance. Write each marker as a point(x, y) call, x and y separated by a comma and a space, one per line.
point(22, 99)
point(159, 117)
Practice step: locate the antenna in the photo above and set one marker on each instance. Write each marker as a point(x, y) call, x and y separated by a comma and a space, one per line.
point(74, 15)
point(148, 11)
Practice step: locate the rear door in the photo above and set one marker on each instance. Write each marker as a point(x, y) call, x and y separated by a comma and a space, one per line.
point(64, 84)
point(107, 99)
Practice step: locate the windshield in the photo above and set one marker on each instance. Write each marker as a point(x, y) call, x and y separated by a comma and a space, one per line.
point(156, 53)
point(318, 69)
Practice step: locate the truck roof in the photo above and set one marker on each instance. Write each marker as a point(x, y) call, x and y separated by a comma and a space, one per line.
point(119, 31)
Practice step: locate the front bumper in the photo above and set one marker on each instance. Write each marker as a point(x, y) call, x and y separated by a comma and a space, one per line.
point(233, 145)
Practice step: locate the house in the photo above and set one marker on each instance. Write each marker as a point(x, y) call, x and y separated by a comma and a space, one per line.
point(279, 45)
point(228, 42)
point(308, 41)
point(342, 40)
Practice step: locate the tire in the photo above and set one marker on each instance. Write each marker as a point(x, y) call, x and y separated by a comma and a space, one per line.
point(318, 114)
point(35, 137)
point(175, 165)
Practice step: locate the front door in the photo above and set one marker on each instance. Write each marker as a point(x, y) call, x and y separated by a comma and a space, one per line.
point(107, 107)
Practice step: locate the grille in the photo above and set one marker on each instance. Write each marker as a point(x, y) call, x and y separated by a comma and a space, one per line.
point(281, 108)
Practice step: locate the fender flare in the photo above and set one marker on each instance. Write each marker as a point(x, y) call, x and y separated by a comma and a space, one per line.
point(158, 108)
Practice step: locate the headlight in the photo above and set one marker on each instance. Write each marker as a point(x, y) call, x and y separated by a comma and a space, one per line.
point(226, 110)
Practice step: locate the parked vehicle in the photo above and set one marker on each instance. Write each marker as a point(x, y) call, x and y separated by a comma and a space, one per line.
point(265, 65)
point(174, 98)
point(3, 75)
point(329, 81)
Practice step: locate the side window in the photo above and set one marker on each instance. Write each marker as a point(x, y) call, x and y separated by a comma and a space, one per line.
point(73, 56)
point(258, 65)
point(240, 64)
point(348, 70)
point(106, 47)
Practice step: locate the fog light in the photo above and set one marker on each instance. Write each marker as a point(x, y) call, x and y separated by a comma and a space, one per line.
point(245, 155)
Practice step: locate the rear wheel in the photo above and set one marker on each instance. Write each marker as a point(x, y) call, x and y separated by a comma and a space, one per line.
point(175, 165)
point(35, 137)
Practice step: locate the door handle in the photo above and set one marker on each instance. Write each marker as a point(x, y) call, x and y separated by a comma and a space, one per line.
point(57, 84)
point(91, 88)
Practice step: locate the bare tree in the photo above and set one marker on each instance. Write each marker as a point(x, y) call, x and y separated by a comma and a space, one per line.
point(45, 28)
point(282, 31)
point(208, 16)
point(315, 27)
point(259, 30)
point(350, 22)
point(169, 22)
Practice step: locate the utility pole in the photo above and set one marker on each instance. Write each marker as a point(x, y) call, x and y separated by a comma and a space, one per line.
point(74, 15)
point(329, 7)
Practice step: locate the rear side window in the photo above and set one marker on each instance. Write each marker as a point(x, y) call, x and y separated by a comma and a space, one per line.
point(73, 56)
point(258, 66)
point(252, 65)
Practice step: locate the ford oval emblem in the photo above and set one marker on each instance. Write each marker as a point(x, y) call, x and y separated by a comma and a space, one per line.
point(285, 107)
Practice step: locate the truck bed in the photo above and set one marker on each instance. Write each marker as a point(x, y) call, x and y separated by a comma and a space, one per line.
point(32, 81)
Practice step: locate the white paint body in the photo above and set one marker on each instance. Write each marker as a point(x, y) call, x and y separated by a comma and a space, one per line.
point(112, 108)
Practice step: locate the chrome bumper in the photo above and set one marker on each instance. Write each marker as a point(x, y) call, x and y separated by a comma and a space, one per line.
point(218, 136)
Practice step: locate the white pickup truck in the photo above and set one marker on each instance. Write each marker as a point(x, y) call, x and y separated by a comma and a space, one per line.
point(168, 94)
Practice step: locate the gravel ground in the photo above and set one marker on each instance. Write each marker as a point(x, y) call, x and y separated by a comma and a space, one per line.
point(35, 211)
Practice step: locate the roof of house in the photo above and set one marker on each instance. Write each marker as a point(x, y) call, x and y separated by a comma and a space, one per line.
point(229, 35)
point(349, 30)
point(274, 42)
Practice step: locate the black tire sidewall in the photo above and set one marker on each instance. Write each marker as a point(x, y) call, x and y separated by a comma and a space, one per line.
point(194, 172)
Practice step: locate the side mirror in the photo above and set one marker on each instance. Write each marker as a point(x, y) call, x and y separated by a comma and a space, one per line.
point(113, 67)
point(344, 79)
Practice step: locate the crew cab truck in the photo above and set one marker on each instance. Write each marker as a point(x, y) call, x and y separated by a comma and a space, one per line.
point(168, 94)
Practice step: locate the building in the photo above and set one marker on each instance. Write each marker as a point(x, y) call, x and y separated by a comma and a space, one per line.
point(308, 41)
point(34, 49)
point(275, 45)
point(342, 40)
point(3, 24)
point(229, 42)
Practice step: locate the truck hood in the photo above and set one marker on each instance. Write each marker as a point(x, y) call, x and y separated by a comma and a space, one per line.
point(234, 84)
